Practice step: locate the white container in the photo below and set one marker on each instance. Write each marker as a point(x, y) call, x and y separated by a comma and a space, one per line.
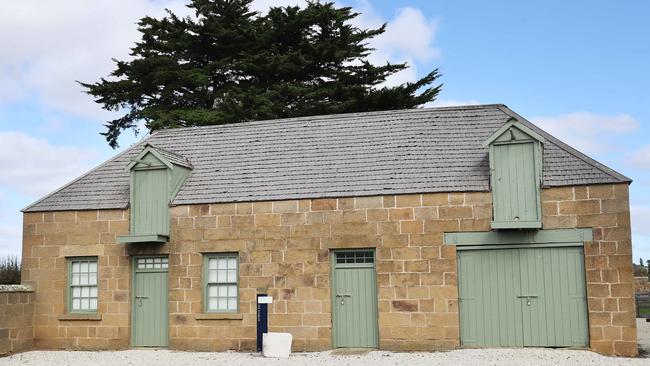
point(276, 345)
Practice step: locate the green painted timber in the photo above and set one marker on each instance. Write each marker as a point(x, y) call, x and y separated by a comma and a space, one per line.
point(154, 182)
point(570, 237)
point(515, 177)
point(150, 205)
point(354, 303)
point(515, 186)
point(149, 307)
point(143, 239)
point(523, 297)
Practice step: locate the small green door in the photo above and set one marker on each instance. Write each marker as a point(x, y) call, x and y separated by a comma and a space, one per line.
point(523, 297)
point(354, 299)
point(150, 314)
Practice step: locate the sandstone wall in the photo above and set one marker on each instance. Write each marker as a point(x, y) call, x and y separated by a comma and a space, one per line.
point(16, 318)
point(284, 250)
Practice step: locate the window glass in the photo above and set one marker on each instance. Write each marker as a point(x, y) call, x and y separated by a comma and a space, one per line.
point(221, 288)
point(83, 285)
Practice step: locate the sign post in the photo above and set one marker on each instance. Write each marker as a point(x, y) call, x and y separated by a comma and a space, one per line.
point(263, 302)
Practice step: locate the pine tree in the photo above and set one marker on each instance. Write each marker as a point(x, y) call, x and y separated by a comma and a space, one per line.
point(228, 64)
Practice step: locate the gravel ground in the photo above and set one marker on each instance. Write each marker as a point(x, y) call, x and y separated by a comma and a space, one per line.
point(514, 357)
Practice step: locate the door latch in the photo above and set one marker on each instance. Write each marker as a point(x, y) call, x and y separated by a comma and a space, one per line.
point(139, 299)
point(342, 297)
point(527, 297)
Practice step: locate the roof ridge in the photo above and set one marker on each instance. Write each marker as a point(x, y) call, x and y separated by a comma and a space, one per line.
point(89, 172)
point(566, 147)
point(332, 116)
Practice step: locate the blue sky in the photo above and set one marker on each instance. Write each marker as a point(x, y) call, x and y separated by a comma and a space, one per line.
point(578, 69)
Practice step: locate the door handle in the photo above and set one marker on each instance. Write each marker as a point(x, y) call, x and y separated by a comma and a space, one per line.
point(527, 297)
point(139, 299)
point(342, 297)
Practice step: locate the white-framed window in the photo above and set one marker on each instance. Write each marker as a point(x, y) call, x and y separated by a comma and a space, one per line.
point(221, 274)
point(82, 285)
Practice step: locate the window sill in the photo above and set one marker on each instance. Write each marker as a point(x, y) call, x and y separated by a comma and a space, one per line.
point(219, 316)
point(80, 317)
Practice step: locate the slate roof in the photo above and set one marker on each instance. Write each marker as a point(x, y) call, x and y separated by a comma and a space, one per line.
point(358, 154)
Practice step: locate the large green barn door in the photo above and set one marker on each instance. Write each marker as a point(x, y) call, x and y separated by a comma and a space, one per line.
point(149, 316)
point(490, 312)
point(522, 297)
point(555, 314)
point(354, 299)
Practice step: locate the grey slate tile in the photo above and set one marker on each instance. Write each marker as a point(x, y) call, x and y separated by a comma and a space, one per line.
point(360, 154)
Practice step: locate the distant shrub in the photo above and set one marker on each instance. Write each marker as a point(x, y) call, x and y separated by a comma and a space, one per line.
point(9, 271)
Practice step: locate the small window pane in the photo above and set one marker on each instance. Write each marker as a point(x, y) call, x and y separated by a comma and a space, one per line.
point(92, 267)
point(85, 304)
point(212, 304)
point(76, 292)
point(222, 263)
point(92, 279)
point(232, 304)
point(232, 290)
point(93, 304)
point(76, 304)
point(212, 263)
point(222, 291)
point(75, 267)
point(232, 275)
point(93, 291)
point(75, 279)
point(221, 276)
point(222, 304)
point(213, 290)
point(232, 263)
point(212, 276)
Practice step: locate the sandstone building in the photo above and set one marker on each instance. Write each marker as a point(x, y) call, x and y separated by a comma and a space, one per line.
point(403, 230)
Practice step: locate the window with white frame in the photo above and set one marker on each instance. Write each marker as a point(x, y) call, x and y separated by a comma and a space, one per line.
point(221, 289)
point(82, 285)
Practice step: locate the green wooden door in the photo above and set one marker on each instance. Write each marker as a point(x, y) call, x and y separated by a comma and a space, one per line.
point(354, 299)
point(150, 314)
point(556, 313)
point(522, 297)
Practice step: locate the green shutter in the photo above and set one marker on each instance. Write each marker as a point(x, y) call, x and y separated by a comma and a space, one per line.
point(150, 207)
point(154, 182)
point(515, 177)
point(523, 297)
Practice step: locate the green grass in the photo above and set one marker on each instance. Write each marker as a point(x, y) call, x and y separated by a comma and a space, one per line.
point(644, 311)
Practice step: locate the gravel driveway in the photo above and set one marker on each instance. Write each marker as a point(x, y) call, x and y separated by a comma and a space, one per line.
point(514, 357)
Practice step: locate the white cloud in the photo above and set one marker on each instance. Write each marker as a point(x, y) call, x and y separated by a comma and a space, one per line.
point(50, 44)
point(409, 38)
point(641, 159)
point(588, 132)
point(34, 166)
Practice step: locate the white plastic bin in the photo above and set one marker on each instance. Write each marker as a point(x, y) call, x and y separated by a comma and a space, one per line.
point(276, 345)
